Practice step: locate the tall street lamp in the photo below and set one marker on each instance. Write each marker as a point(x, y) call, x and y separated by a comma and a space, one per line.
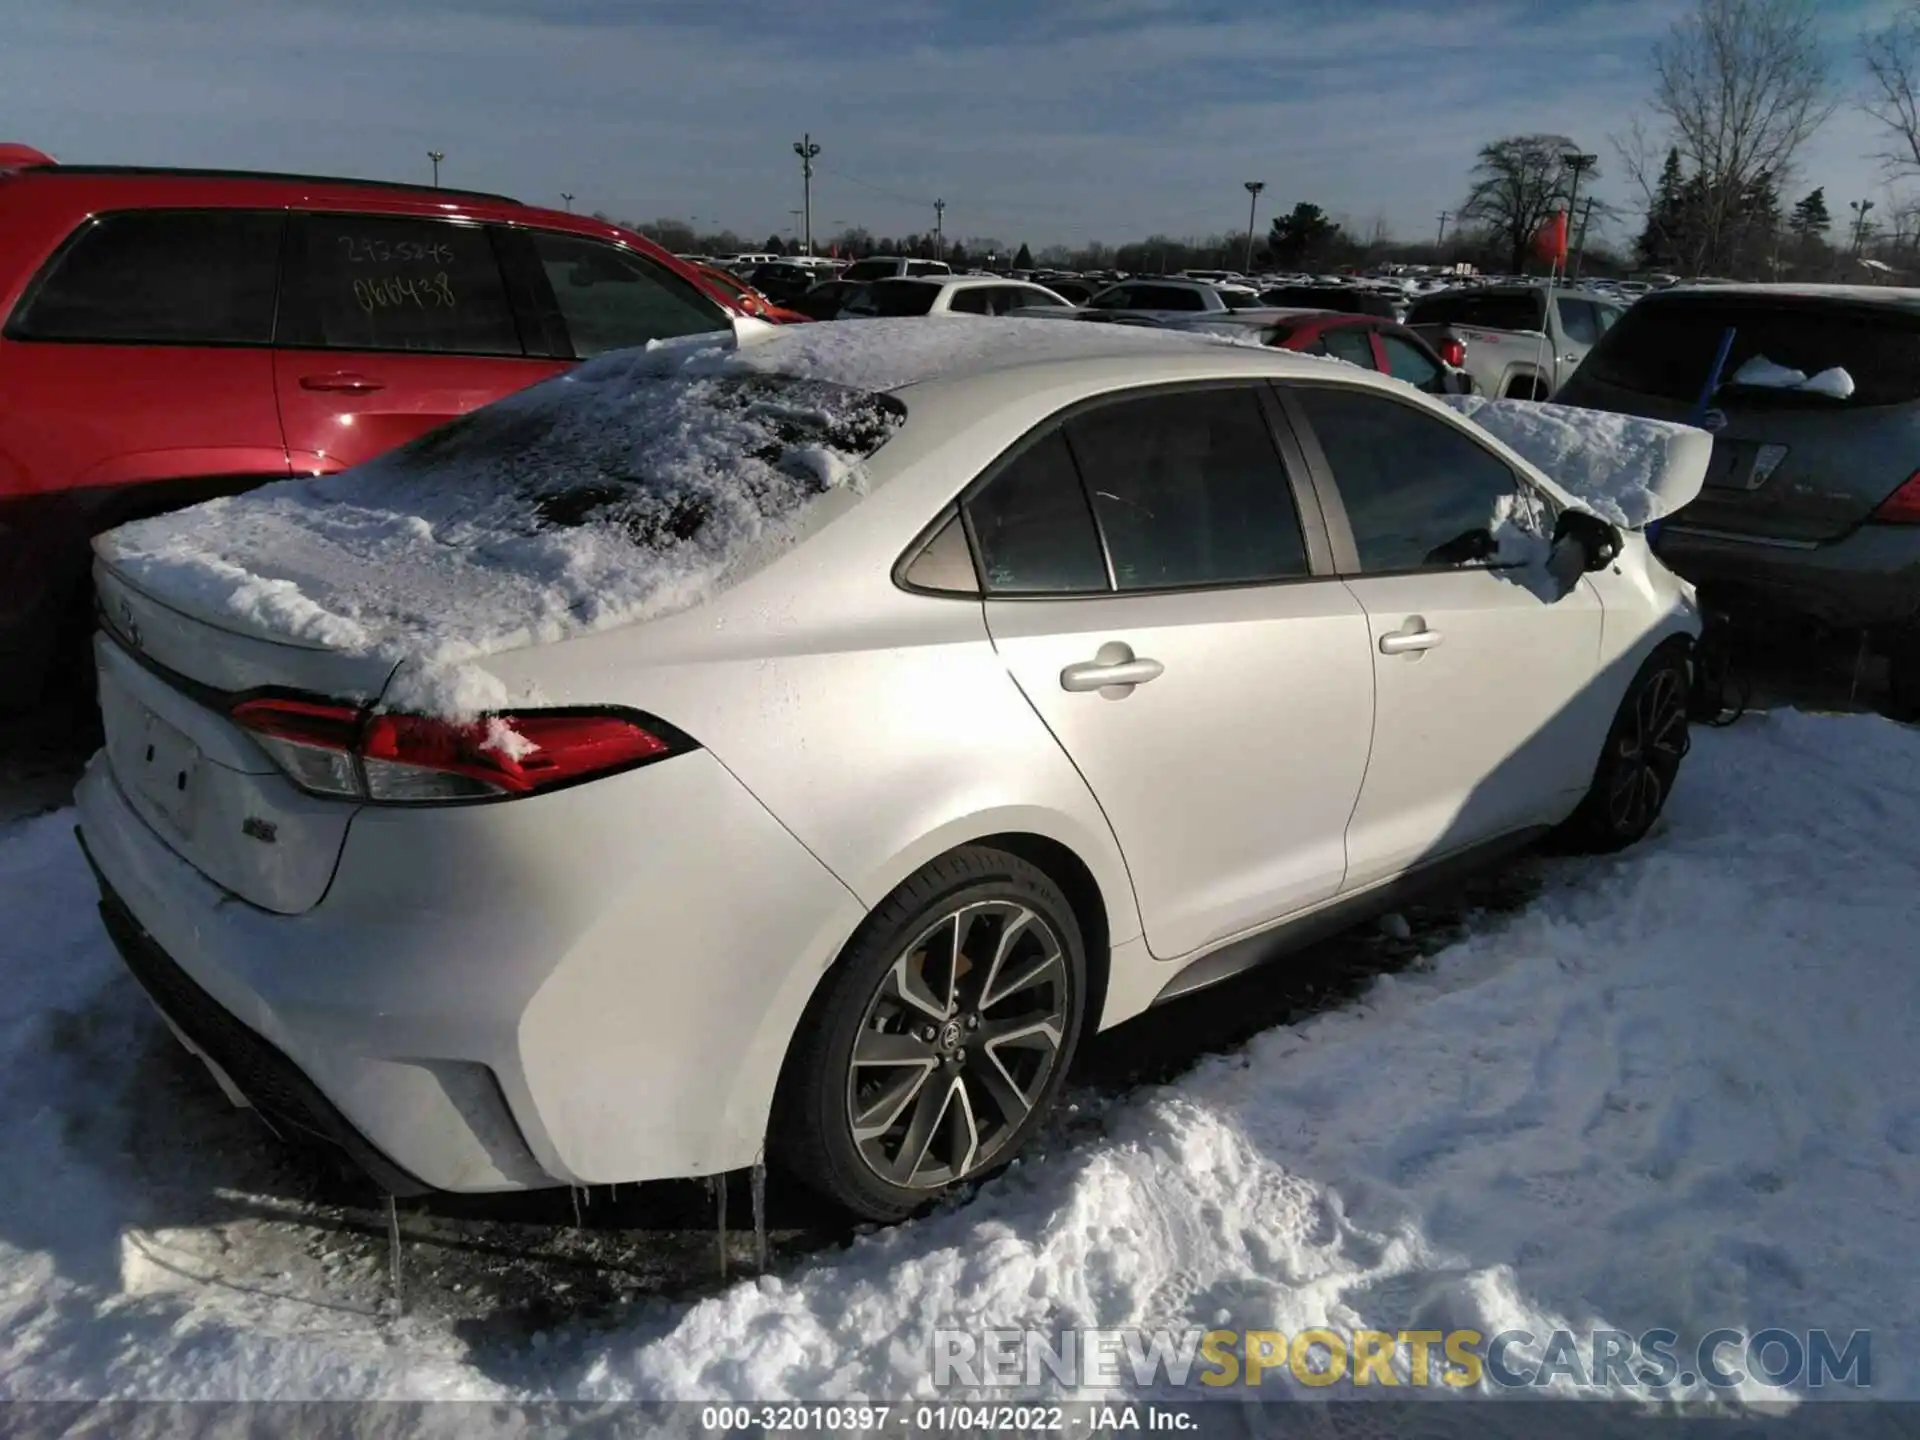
point(1254, 187)
point(1577, 165)
point(808, 151)
point(436, 156)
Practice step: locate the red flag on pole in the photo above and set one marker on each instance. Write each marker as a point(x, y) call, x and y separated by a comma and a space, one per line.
point(1550, 240)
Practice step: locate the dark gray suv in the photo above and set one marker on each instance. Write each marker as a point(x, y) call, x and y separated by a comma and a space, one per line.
point(1812, 504)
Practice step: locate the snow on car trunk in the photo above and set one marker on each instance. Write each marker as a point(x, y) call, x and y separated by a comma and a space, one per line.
point(1669, 1093)
point(628, 488)
point(1626, 469)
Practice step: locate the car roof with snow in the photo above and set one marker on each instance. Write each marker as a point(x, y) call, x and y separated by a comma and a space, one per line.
point(890, 355)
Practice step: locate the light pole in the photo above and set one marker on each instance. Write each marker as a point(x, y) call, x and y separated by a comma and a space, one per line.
point(1860, 209)
point(939, 229)
point(1580, 244)
point(807, 151)
point(567, 200)
point(1254, 187)
point(1577, 165)
point(436, 156)
point(1441, 239)
point(795, 227)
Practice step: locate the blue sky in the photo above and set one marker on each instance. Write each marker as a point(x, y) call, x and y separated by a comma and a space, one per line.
point(1042, 120)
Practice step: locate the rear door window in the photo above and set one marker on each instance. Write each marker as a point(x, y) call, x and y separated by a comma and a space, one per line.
point(1666, 348)
point(894, 298)
point(1578, 321)
point(1406, 361)
point(1015, 296)
point(970, 300)
point(1189, 490)
point(160, 277)
point(1351, 343)
point(1033, 528)
point(613, 299)
point(359, 282)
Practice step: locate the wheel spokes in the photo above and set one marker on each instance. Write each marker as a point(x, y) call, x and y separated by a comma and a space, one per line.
point(881, 1111)
point(909, 979)
point(1016, 1100)
point(928, 1110)
point(1011, 933)
point(1044, 969)
point(958, 1044)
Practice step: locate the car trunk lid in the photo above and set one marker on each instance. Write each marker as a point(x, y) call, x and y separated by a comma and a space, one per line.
point(167, 679)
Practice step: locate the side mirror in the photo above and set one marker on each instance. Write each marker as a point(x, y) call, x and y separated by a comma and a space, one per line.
point(1599, 542)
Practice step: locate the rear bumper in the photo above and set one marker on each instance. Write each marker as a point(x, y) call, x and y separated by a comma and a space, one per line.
point(1869, 578)
point(272, 1084)
point(562, 990)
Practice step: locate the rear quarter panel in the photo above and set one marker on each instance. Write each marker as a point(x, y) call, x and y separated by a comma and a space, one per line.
point(880, 727)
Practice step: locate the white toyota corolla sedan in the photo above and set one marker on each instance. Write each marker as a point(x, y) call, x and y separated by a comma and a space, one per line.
point(793, 750)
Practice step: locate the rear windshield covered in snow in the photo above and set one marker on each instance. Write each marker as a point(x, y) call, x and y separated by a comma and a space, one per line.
point(633, 487)
point(675, 459)
point(1666, 347)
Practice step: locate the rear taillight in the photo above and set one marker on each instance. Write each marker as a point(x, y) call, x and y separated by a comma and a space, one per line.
point(1453, 352)
point(1902, 507)
point(340, 751)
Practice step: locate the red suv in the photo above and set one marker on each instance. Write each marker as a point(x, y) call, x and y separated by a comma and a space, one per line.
point(173, 335)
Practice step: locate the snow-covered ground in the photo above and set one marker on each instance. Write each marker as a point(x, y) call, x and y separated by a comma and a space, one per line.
point(1673, 1090)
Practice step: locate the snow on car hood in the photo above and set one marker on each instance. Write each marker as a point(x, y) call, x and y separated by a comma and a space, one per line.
point(1626, 469)
point(629, 488)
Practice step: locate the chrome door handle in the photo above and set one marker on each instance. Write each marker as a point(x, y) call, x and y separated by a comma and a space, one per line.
point(1114, 671)
point(1410, 638)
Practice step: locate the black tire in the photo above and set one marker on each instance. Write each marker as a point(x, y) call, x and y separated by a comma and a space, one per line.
point(1640, 760)
point(814, 1121)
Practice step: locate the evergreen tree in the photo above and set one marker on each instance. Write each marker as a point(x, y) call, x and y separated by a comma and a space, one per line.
point(1302, 238)
point(1659, 245)
point(1023, 257)
point(1810, 219)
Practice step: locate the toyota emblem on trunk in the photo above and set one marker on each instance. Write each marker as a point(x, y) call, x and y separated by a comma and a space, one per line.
point(1714, 420)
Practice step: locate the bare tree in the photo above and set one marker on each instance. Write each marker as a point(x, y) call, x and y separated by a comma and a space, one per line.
point(1516, 185)
point(1739, 87)
point(1892, 59)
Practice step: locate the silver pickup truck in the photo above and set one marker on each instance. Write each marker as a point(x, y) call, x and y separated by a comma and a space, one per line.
point(1513, 347)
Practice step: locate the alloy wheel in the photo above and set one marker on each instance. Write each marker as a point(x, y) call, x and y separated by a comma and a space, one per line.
point(1647, 752)
point(957, 1044)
